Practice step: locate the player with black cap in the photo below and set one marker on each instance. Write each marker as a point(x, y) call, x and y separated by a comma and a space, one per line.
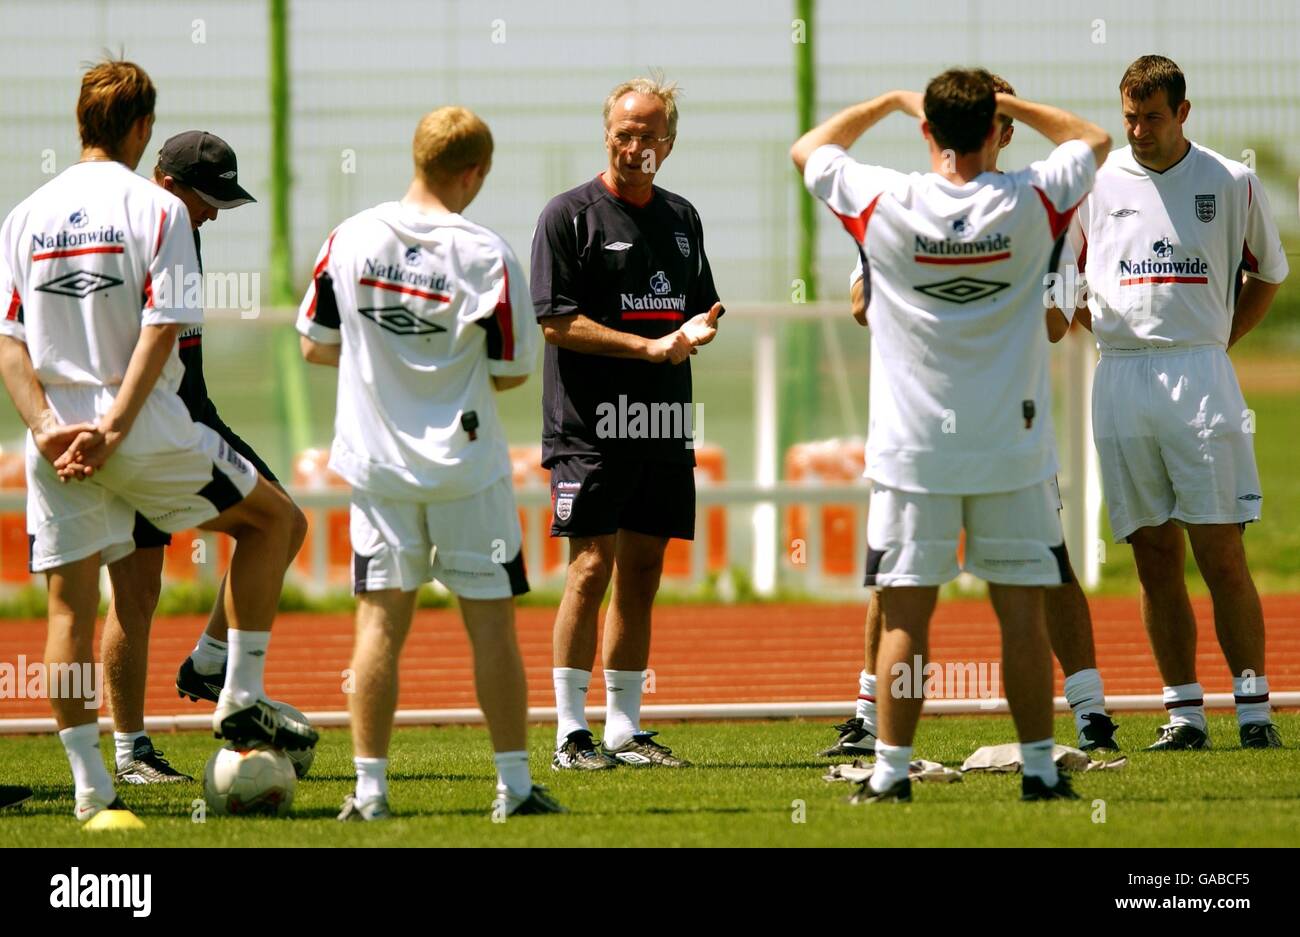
point(200, 169)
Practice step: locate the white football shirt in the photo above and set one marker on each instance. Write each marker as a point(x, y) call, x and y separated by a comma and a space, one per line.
point(960, 393)
point(427, 308)
point(1161, 250)
point(85, 261)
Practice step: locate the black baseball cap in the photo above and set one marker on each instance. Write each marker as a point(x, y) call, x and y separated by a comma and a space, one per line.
point(206, 163)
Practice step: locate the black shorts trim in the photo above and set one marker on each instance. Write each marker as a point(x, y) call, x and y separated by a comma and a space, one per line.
point(518, 575)
point(221, 492)
point(360, 570)
point(147, 536)
point(874, 559)
point(1063, 564)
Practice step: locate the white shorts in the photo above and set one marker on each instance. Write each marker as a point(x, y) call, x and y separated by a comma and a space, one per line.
point(473, 545)
point(175, 490)
point(1175, 440)
point(1012, 538)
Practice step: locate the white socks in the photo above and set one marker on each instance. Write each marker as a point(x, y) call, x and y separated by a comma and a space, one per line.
point(1038, 763)
point(209, 655)
point(89, 776)
point(1186, 705)
point(124, 745)
point(866, 708)
point(622, 706)
point(1251, 696)
point(892, 762)
point(372, 778)
point(247, 662)
point(512, 774)
point(1084, 693)
point(570, 701)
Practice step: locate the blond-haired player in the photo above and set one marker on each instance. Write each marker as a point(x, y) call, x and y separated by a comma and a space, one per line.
point(426, 314)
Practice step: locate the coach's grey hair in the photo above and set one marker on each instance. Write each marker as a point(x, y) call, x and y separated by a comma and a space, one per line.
point(655, 87)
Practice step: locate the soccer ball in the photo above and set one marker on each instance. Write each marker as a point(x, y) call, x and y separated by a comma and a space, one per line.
point(301, 757)
point(258, 780)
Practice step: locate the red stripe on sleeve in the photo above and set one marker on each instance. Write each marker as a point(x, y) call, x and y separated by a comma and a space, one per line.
point(857, 225)
point(320, 268)
point(148, 290)
point(15, 304)
point(1058, 221)
point(1082, 260)
point(505, 318)
point(158, 242)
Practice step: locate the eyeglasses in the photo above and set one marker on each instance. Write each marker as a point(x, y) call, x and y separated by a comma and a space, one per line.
point(622, 139)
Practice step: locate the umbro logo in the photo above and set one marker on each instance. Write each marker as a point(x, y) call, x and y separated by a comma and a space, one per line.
point(229, 174)
point(618, 246)
point(962, 290)
point(1123, 212)
point(79, 283)
point(1250, 497)
point(400, 321)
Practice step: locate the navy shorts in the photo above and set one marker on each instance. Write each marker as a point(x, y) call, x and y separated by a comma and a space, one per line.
point(147, 536)
point(595, 495)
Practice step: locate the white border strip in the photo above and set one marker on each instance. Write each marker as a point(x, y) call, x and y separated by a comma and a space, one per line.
point(716, 711)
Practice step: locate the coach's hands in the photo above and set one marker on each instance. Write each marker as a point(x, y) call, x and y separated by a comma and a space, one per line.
point(673, 348)
point(703, 328)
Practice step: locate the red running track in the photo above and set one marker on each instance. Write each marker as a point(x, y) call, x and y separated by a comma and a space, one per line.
point(701, 654)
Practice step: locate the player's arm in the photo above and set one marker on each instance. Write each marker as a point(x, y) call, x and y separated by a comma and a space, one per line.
point(845, 127)
point(579, 333)
point(506, 382)
point(25, 390)
point(318, 352)
point(1056, 124)
point(858, 301)
point(1252, 305)
point(1265, 264)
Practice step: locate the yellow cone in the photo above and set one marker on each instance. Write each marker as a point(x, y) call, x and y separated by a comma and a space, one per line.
point(113, 820)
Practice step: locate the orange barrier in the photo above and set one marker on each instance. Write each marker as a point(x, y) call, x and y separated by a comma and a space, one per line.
point(311, 471)
point(14, 554)
point(710, 468)
point(841, 526)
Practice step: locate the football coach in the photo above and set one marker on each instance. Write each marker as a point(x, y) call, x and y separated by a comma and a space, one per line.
point(625, 296)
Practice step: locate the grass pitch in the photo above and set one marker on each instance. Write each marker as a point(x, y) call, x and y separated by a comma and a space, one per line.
point(753, 784)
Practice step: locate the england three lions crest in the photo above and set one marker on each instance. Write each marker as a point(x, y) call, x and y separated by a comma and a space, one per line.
point(684, 245)
point(1205, 208)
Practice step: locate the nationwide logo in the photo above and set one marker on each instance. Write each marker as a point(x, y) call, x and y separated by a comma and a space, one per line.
point(412, 255)
point(659, 283)
point(962, 290)
point(105, 240)
point(959, 224)
point(79, 283)
point(1164, 269)
point(400, 321)
point(413, 282)
point(988, 249)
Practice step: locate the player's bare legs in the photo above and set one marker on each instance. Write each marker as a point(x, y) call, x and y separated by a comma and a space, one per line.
point(905, 639)
point(499, 676)
point(137, 580)
point(1160, 553)
point(218, 626)
point(260, 525)
point(1239, 624)
point(383, 622)
point(638, 567)
point(1026, 658)
point(1069, 627)
point(70, 643)
point(591, 566)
